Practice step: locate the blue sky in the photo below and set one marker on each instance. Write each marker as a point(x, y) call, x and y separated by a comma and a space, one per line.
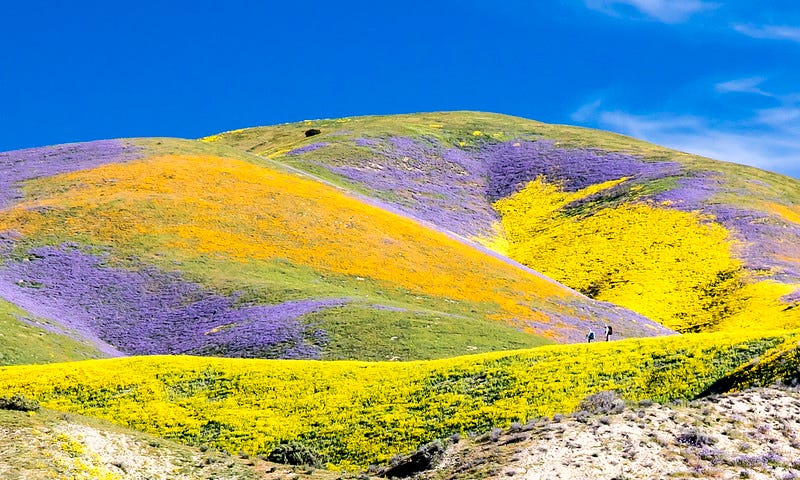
point(718, 78)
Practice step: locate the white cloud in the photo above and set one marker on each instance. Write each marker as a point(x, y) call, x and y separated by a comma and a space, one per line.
point(772, 32)
point(779, 117)
point(769, 139)
point(587, 111)
point(667, 11)
point(743, 85)
point(770, 150)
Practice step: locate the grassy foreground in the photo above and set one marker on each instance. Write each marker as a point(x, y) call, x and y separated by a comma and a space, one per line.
point(357, 413)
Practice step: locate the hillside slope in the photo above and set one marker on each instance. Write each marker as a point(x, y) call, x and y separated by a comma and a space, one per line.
point(693, 243)
point(358, 413)
point(166, 246)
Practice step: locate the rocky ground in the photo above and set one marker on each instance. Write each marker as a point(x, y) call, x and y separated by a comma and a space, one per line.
point(753, 434)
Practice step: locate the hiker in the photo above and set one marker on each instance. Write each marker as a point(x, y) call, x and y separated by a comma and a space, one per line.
point(608, 333)
point(590, 336)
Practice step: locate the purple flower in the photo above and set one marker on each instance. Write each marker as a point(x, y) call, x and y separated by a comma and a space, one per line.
point(20, 165)
point(426, 180)
point(308, 148)
point(512, 165)
point(146, 311)
point(577, 320)
point(365, 142)
point(765, 242)
point(692, 193)
point(793, 297)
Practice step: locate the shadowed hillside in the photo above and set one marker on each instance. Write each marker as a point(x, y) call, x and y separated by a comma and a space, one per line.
point(693, 243)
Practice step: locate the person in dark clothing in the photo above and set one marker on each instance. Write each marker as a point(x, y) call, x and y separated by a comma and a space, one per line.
point(590, 336)
point(608, 333)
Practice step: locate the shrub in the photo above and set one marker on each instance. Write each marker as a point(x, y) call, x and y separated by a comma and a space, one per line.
point(296, 453)
point(425, 458)
point(19, 402)
point(582, 416)
point(696, 438)
point(607, 402)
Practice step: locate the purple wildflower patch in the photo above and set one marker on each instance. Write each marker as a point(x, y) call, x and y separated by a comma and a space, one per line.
point(793, 297)
point(365, 142)
point(426, 180)
point(308, 148)
point(512, 165)
point(766, 242)
point(146, 311)
point(692, 193)
point(20, 165)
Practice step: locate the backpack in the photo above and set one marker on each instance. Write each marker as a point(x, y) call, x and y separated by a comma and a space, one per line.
point(590, 336)
point(609, 329)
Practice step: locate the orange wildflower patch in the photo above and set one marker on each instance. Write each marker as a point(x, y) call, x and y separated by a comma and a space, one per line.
point(790, 214)
point(202, 205)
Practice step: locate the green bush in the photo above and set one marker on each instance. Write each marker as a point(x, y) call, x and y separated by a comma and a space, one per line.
point(19, 402)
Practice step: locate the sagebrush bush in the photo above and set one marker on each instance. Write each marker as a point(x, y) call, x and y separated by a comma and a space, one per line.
point(605, 402)
point(696, 438)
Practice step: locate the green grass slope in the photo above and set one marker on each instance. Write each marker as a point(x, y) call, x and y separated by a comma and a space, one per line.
point(24, 341)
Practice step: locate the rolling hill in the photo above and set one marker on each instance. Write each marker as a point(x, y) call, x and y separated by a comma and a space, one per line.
point(319, 253)
point(692, 243)
point(167, 246)
point(360, 413)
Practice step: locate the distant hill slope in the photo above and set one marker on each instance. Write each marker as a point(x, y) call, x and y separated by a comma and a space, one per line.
point(164, 246)
point(28, 339)
point(693, 243)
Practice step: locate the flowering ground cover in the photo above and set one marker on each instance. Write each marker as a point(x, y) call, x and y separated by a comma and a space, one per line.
point(689, 242)
point(357, 413)
point(512, 165)
point(668, 264)
point(145, 311)
point(244, 213)
point(446, 168)
point(425, 179)
point(20, 165)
